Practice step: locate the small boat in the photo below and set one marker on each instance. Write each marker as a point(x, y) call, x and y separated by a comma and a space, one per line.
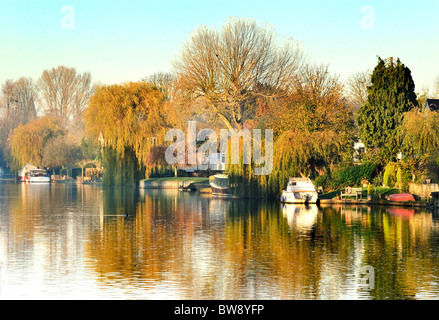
point(23, 174)
point(299, 190)
point(401, 197)
point(39, 176)
point(219, 184)
point(33, 174)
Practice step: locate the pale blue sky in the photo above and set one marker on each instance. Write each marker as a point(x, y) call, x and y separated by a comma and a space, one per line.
point(121, 41)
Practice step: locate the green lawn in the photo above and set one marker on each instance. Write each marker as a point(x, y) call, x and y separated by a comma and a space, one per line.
point(379, 191)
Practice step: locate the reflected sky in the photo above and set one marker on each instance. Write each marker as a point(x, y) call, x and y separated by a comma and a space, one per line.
point(65, 241)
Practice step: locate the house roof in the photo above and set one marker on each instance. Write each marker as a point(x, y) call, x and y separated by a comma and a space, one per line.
point(432, 104)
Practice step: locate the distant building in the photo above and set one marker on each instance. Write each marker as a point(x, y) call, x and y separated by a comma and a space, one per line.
point(217, 162)
point(432, 104)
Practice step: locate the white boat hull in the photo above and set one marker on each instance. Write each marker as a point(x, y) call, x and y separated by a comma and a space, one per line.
point(299, 197)
point(299, 190)
point(39, 180)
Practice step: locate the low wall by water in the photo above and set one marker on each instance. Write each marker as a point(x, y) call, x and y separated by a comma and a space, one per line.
point(423, 190)
point(144, 184)
point(159, 184)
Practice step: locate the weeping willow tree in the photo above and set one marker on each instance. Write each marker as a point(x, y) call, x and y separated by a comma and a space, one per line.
point(28, 141)
point(243, 179)
point(420, 132)
point(419, 136)
point(313, 131)
point(128, 119)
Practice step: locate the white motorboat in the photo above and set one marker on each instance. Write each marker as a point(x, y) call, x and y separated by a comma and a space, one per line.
point(39, 176)
point(299, 190)
point(33, 174)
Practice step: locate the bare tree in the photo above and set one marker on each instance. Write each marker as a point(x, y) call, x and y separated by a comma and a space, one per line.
point(7, 100)
point(26, 95)
point(436, 87)
point(230, 67)
point(163, 80)
point(18, 100)
point(65, 93)
point(356, 88)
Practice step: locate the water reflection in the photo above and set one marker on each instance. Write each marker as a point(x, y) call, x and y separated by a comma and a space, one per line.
point(84, 241)
point(301, 217)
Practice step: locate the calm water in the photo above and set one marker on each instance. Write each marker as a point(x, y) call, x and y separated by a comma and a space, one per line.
point(87, 242)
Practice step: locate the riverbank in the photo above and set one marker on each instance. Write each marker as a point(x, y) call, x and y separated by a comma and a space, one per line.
point(421, 204)
point(201, 185)
point(174, 183)
point(379, 198)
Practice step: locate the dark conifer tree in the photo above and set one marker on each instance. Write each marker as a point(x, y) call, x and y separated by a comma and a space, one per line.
point(391, 94)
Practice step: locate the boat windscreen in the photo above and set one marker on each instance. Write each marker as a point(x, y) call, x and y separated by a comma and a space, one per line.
point(38, 173)
point(223, 183)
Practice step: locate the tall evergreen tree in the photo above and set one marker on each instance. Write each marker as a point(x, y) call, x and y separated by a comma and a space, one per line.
point(391, 94)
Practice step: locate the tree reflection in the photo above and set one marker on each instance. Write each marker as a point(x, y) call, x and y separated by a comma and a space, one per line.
point(170, 244)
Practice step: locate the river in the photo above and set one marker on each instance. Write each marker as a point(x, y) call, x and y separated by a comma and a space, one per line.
point(64, 241)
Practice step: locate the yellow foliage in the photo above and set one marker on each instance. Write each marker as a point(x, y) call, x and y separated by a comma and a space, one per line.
point(133, 115)
point(28, 141)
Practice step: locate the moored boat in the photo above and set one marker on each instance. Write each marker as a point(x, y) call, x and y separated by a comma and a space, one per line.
point(401, 197)
point(39, 176)
point(299, 190)
point(33, 174)
point(219, 184)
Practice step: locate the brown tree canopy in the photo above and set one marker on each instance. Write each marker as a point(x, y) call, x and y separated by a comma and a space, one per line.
point(61, 151)
point(230, 67)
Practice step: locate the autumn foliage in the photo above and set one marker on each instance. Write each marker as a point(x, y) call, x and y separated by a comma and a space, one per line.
point(129, 119)
point(28, 141)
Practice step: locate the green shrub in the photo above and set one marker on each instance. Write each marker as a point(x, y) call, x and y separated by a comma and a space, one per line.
point(322, 181)
point(353, 175)
point(369, 189)
point(389, 177)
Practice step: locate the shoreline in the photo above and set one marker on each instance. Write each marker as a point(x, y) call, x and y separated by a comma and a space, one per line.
point(374, 203)
point(188, 183)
